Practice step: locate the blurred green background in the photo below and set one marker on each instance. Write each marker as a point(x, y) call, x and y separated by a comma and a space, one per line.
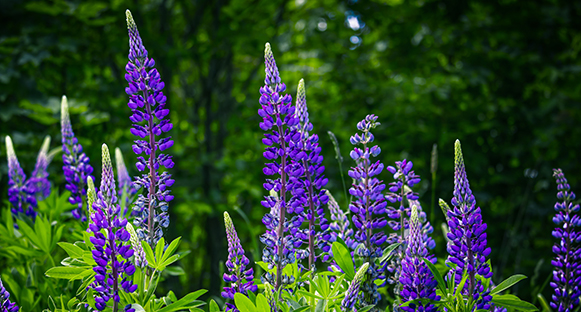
point(501, 76)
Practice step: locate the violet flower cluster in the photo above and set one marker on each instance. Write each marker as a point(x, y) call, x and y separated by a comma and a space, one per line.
point(38, 180)
point(566, 281)
point(369, 204)
point(312, 195)
point(5, 304)
point(467, 237)
point(112, 249)
point(400, 191)
point(76, 164)
point(21, 194)
point(148, 104)
point(127, 189)
point(416, 278)
point(283, 236)
point(352, 293)
point(240, 278)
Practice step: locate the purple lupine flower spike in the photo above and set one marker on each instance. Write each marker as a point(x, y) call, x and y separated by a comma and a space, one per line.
point(368, 205)
point(467, 237)
point(283, 236)
point(401, 191)
point(416, 278)
point(5, 304)
point(150, 120)
point(76, 164)
point(352, 293)
point(20, 194)
point(112, 251)
point(127, 189)
point(240, 278)
point(566, 281)
point(312, 195)
point(38, 181)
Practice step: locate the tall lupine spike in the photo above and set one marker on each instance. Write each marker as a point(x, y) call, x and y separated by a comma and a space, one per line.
point(20, 193)
point(38, 181)
point(91, 195)
point(467, 244)
point(112, 251)
point(127, 189)
point(400, 192)
point(566, 281)
point(348, 303)
point(76, 164)
point(368, 205)
point(312, 195)
point(5, 304)
point(240, 279)
point(416, 278)
point(148, 104)
point(283, 235)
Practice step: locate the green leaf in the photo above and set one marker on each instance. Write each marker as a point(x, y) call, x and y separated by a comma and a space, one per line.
point(507, 283)
point(343, 258)
point(72, 250)
point(70, 273)
point(170, 249)
point(322, 303)
point(387, 252)
point(243, 303)
point(29, 233)
point(262, 304)
point(308, 294)
point(366, 308)
point(512, 301)
point(213, 306)
point(149, 254)
point(159, 250)
point(185, 302)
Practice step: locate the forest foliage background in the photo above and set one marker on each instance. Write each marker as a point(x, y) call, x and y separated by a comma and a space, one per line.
point(502, 76)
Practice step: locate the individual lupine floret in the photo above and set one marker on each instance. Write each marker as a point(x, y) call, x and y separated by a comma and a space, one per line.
point(368, 205)
point(416, 278)
point(20, 193)
point(312, 195)
point(467, 237)
point(352, 293)
point(38, 180)
point(112, 249)
point(127, 189)
point(75, 163)
point(148, 103)
point(283, 235)
point(5, 304)
point(240, 278)
point(566, 281)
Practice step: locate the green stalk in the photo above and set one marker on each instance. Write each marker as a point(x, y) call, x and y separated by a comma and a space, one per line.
point(434, 169)
point(340, 161)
